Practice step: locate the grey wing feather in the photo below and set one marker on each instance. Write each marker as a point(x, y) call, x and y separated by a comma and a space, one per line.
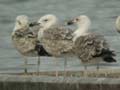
point(26, 43)
point(58, 33)
point(57, 40)
point(89, 46)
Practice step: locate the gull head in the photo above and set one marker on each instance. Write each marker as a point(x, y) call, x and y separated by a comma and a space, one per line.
point(83, 23)
point(47, 21)
point(22, 22)
point(117, 24)
point(80, 21)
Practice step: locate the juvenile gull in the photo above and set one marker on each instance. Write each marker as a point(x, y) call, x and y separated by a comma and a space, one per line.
point(56, 39)
point(90, 47)
point(25, 40)
point(117, 24)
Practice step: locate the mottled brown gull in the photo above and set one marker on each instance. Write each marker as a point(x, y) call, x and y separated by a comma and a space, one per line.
point(25, 40)
point(90, 47)
point(56, 39)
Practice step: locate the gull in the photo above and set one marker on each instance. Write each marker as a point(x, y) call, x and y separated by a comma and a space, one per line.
point(25, 41)
point(117, 24)
point(90, 47)
point(55, 38)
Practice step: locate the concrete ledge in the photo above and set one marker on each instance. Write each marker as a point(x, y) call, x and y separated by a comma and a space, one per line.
point(16, 82)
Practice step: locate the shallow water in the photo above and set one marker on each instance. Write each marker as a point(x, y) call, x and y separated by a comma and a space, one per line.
point(100, 12)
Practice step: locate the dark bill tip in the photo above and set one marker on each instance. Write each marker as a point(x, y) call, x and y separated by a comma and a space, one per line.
point(69, 23)
point(114, 17)
point(33, 24)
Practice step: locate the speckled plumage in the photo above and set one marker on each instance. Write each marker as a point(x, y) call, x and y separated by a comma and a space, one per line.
point(57, 40)
point(90, 48)
point(25, 42)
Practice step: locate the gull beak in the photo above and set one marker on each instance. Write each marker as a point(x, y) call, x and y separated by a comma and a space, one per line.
point(34, 24)
point(70, 22)
point(114, 17)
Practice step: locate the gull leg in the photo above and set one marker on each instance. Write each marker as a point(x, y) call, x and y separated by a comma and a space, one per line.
point(65, 64)
point(56, 72)
point(98, 67)
point(85, 67)
point(85, 70)
point(25, 64)
point(38, 66)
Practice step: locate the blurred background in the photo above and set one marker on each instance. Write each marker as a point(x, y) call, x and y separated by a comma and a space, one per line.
point(101, 12)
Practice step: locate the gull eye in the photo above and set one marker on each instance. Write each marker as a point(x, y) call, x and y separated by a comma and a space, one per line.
point(77, 19)
point(46, 20)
